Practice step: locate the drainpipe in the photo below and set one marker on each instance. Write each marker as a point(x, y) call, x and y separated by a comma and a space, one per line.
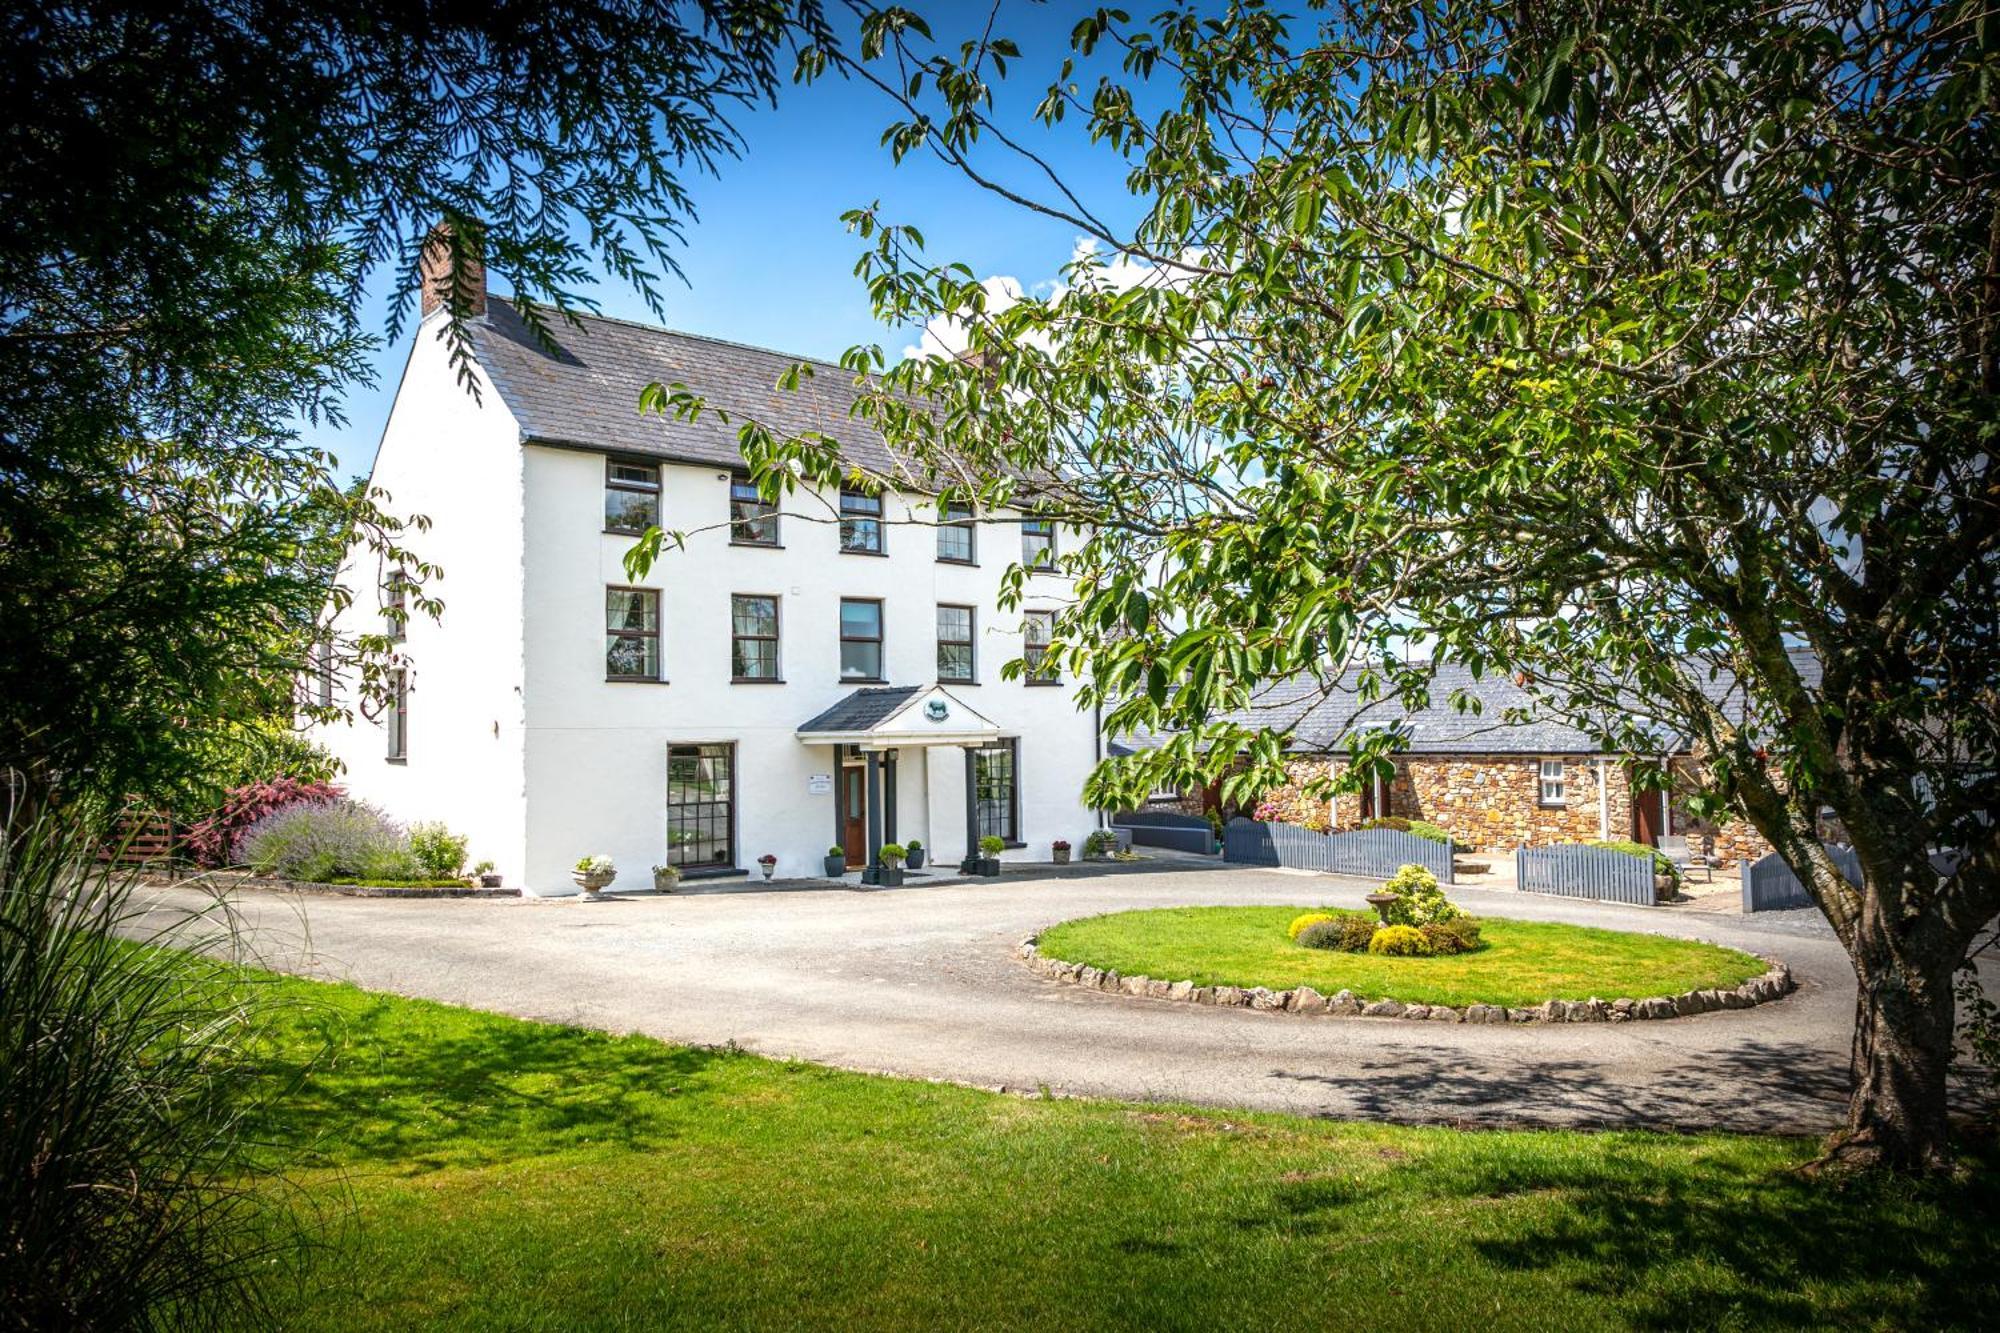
point(1097, 744)
point(1603, 801)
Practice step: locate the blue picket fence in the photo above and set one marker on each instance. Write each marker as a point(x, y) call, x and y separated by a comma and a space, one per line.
point(1573, 870)
point(1770, 886)
point(1167, 828)
point(1374, 853)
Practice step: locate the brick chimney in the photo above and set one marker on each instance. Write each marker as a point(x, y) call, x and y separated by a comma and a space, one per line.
point(436, 277)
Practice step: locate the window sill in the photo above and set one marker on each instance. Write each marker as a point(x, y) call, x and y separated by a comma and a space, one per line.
point(864, 680)
point(626, 532)
point(947, 680)
point(761, 546)
point(634, 680)
point(399, 760)
point(755, 680)
point(849, 550)
point(1043, 684)
point(953, 560)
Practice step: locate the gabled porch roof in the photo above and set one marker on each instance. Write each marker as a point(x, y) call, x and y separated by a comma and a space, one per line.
point(887, 717)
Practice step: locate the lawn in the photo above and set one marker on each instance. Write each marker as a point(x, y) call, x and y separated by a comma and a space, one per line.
point(479, 1172)
point(1523, 963)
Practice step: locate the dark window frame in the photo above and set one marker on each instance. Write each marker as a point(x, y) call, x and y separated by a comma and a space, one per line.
point(659, 658)
point(396, 606)
point(880, 640)
point(1037, 668)
point(970, 643)
point(323, 671)
point(632, 486)
point(983, 804)
point(704, 750)
point(396, 717)
point(768, 513)
point(775, 638)
point(1033, 526)
point(861, 512)
point(955, 518)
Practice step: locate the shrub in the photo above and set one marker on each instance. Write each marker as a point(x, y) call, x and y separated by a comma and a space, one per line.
point(892, 853)
point(1431, 832)
point(1419, 899)
point(992, 845)
point(130, 1196)
point(438, 850)
point(214, 839)
point(1101, 842)
point(1325, 932)
point(325, 840)
point(1304, 919)
point(1457, 935)
point(1400, 942)
point(1386, 821)
point(1356, 933)
point(1661, 864)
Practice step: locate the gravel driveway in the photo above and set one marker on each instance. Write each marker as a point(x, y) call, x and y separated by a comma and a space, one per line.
point(923, 982)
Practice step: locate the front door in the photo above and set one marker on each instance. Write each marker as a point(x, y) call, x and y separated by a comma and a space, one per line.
point(1646, 817)
point(854, 814)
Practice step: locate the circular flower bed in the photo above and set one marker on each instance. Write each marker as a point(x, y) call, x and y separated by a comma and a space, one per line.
point(1519, 971)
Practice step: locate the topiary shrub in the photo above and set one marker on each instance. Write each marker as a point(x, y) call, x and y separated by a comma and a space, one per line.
point(1304, 919)
point(1356, 932)
point(1419, 899)
point(214, 840)
point(1386, 821)
point(1430, 832)
point(1400, 942)
point(1458, 935)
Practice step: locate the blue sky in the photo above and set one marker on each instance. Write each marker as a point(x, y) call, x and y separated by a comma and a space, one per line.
point(769, 261)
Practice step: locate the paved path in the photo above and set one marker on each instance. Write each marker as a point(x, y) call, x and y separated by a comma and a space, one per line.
point(923, 982)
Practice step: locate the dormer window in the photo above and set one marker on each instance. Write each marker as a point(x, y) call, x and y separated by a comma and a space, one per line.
point(631, 497)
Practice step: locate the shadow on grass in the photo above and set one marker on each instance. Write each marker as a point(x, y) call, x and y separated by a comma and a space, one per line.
point(395, 1083)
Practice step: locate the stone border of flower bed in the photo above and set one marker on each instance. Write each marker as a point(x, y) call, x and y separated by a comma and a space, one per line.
point(239, 880)
point(1774, 984)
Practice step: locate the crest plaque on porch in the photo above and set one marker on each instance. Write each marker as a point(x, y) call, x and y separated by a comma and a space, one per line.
point(937, 710)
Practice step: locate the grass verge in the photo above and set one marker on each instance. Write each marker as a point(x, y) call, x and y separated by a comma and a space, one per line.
point(493, 1173)
point(1523, 963)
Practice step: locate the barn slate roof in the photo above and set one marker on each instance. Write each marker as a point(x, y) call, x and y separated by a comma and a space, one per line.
point(585, 391)
point(1505, 723)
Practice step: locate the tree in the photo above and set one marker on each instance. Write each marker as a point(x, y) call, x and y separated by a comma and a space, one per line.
point(1649, 354)
point(197, 195)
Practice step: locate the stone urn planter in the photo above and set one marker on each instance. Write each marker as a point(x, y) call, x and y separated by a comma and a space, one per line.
point(1382, 902)
point(666, 879)
point(490, 880)
point(593, 874)
point(769, 865)
point(1059, 850)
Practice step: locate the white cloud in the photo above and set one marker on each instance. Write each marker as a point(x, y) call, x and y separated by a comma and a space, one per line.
point(1088, 266)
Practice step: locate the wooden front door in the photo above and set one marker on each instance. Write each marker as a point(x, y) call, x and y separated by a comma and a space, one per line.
point(854, 814)
point(1646, 817)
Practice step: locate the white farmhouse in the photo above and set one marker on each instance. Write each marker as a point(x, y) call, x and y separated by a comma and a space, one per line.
point(825, 672)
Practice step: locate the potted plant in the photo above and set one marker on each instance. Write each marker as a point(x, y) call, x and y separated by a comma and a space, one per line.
point(836, 862)
point(593, 873)
point(890, 875)
point(1060, 850)
point(1099, 844)
point(990, 848)
point(488, 877)
point(666, 878)
point(768, 864)
point(915, 850)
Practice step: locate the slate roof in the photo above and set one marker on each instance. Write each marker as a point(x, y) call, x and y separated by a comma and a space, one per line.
point(1318, 724)
point(586, 392)
point(865, 708)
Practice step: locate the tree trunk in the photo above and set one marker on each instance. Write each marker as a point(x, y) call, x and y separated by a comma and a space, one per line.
point(1903, 1016)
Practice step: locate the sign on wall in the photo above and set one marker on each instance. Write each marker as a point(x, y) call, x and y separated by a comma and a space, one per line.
point(819, 784)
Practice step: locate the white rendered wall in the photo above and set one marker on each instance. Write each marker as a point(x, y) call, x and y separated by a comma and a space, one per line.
point(596, 751)
point(457, 461)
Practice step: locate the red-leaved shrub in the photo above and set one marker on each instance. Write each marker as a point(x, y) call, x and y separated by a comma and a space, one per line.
point(213, 840)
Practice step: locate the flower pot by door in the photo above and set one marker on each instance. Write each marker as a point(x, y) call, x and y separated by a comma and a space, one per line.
point(836, 865)
point(916, 858)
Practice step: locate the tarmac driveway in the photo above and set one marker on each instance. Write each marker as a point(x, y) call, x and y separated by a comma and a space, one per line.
point(924, 982)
